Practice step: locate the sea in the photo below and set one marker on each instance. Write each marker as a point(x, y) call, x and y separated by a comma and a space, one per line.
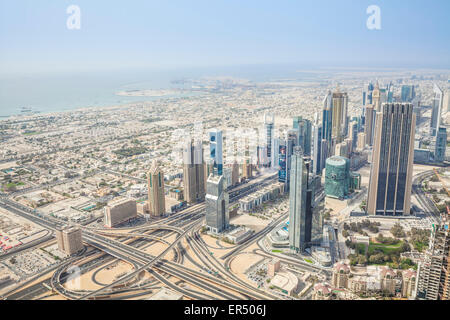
point(46, 93)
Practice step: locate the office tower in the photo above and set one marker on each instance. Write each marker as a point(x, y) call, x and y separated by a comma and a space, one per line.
point(376, 98)
point(353, 133)
point(390, 92)
point(392, 161)
point(327, 117)
point(369, 128)
point(337, 177)
point(304, 128)
point(286, 148)
point(342, 150)
point(156, 192)
point(437, 105)
point(235, 173)
point(275, 154)
point(434, 271)
point(193, 172)
point(317, 149)
point(417, 108)
point(215, 150)
point(69, 240)
point(269, 121)
point(118, 211)
point(323, 154)
point(447, 101)
point(247, 168)
point(297, 201)
point(441, 144)
point(217, 216)
point(408, 93)
point(339, 116)
point(263, 160)
point(361, 145)
point(367, 95)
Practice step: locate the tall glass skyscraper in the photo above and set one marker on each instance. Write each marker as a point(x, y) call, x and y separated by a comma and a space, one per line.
point(269, 121)
point(392, 161)
point(297, 202)
point(436, 113)
point(304, 128)
point(215, 150)
point(441, 144)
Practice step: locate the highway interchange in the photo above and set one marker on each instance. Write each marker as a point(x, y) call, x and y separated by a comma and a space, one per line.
point(211, 278)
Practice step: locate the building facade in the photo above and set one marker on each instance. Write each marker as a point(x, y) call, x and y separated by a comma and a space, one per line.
point(156, 192)
point(193, 172)
point(392, 161)
point(217, 217)
point(297, 202)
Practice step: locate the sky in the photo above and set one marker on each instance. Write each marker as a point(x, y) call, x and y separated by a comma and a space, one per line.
point(34, 37)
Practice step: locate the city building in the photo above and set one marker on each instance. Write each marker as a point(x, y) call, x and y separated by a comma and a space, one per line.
point(156, 192)
point(119, 211)
point(327, 122)
point(361, 143)
point(369, 127)
point(269, 121)
point(69, 240)
point(234, 174)
point(273, 267)
point(441, 145)
point(247, 168)
point(339, 116)
point(215, 150)
point(297, 202)
point(193, 172)
point(434, 270)
point(408, 93)
point(304, 129)
point(217, 217)
point(376, 98)
point(342, 150)
point(436, 113)
point(317, 147)
point(337, 177)
point(254, 200)
point(392, 161)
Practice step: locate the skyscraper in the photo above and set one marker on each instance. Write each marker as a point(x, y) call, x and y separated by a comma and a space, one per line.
point(297, 201)
point(441, 144)
point(269, 121)
point(156, 193)
point(434, 271)
point(327, 118)
point(367, 95)
point(339, 116)
point(408, 93)
point(376, 98)
point(304, 128)
point(193, 172)
point(436, 113)
point(392, 161)
point(369, 128)
point(217, 216)
point(317, 149)
point(215, 150)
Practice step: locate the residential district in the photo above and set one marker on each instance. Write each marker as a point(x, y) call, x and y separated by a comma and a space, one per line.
point(329, 188)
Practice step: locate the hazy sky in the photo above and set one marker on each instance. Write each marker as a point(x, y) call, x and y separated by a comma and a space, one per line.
point(173, 33)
